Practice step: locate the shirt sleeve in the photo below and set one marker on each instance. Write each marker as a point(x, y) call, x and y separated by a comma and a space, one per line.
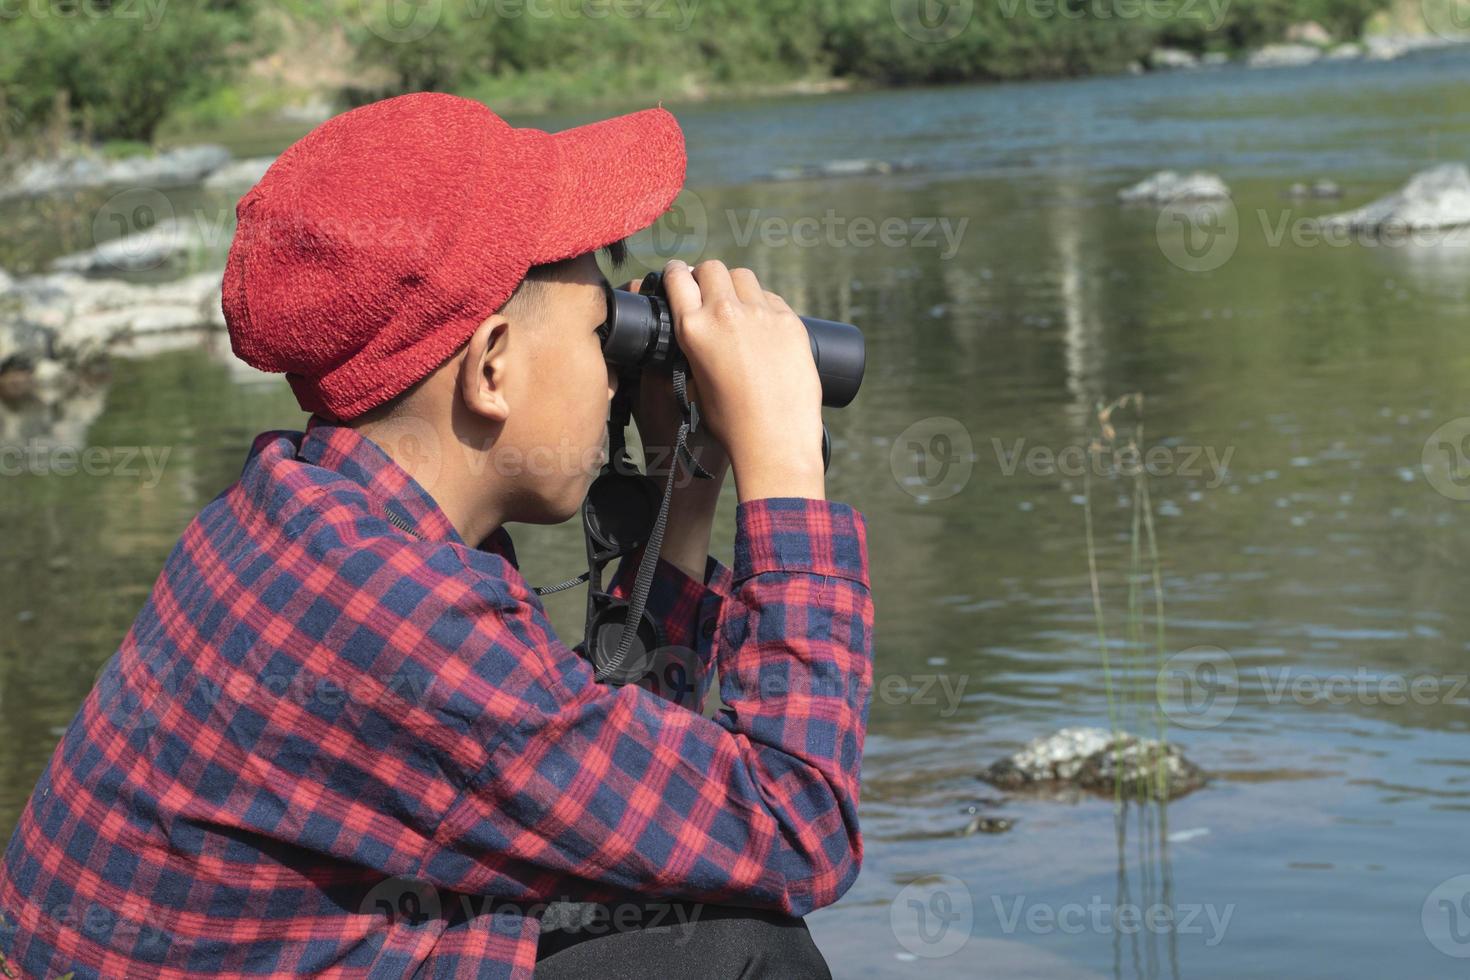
point(577, 791)
point(686, 611)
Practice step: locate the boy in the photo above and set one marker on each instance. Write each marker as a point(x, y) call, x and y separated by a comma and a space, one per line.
point(341, 737)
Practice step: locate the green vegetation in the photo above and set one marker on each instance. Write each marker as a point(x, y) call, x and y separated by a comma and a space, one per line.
point(123, 69)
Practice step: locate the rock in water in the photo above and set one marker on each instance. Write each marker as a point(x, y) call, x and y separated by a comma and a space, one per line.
point(148, 249)
point(1141, 769)
point(170, 168)
point(1171, 59)
point(842, 168)
point(1435, 198)
point(240, 175)
point(1309, 32)
point(1167, 186)
point(1095, 760)
point(72, 320)
point(1054, 759)
point(1284, 56)
point(1322, 190)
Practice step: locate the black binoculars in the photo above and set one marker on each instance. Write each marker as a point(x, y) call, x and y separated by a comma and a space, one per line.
point(639, 333)
point(625, 509)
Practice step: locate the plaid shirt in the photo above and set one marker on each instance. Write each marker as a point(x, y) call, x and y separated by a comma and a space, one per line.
point(330, 746)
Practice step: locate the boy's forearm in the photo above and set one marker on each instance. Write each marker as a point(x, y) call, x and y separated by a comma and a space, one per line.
point(686, 543)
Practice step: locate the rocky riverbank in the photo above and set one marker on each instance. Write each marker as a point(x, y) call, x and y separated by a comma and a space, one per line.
point(55, 329)
point(82, 167)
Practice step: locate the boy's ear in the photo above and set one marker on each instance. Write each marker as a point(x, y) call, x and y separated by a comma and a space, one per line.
point(482, 378)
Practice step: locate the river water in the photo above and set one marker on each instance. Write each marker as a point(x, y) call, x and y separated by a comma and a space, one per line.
point(1306, 494)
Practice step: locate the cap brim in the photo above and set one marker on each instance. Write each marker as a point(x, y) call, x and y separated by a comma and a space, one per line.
point(613, 178)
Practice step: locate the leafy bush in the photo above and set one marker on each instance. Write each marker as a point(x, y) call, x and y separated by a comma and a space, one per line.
point(122, 69)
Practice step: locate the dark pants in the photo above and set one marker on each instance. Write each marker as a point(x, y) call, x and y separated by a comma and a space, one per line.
point(675, 941)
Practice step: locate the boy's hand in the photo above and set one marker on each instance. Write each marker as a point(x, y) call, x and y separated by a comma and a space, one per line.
point(656, 411)
point(760, 393)
point(692, 507)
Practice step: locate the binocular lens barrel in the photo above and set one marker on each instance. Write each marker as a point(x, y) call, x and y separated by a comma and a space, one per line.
point(639, 333)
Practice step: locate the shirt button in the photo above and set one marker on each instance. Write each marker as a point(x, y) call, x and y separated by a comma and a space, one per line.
point(707, 628)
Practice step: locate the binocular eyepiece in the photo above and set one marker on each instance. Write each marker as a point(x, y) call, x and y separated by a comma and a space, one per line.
point(639, 333)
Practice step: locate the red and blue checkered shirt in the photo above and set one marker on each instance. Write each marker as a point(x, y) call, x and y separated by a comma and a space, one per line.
point(332, 746)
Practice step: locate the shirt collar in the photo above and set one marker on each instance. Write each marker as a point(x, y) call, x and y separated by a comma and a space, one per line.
point(409, 506)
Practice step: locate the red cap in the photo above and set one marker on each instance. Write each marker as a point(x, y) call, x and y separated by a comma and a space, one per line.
point(377, 243)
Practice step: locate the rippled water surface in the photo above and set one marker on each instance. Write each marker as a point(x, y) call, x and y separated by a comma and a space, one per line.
point(1304, 542)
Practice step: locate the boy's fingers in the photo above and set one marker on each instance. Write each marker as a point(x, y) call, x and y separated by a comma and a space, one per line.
point(747, 287)
point(632, 286)
point(683, 292)
point(715, 285)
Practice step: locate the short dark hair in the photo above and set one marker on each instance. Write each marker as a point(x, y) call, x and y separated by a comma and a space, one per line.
point(617, 254)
